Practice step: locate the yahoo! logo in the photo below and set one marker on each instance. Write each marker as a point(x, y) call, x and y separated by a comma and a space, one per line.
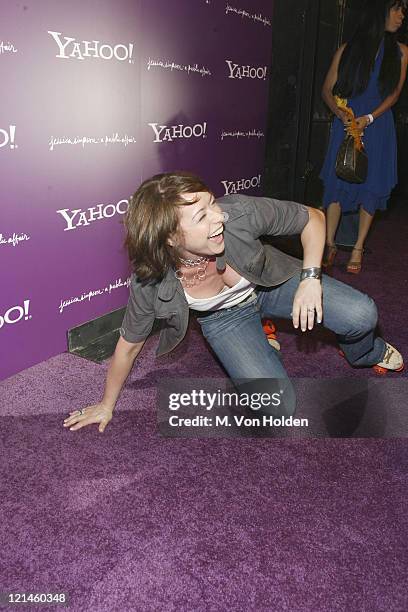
point(246, 72)
point(94, 213)
point(71, 48)
point(235, 186)
point(16, 314)
point(165, 133)
point(8, 137)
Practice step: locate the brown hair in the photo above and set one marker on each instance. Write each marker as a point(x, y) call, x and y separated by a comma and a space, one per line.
point(152, 218)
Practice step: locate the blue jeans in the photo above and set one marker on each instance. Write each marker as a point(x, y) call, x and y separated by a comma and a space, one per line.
point(236, 336)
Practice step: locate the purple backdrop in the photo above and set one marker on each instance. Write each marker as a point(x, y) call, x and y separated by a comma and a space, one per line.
point(97, 96)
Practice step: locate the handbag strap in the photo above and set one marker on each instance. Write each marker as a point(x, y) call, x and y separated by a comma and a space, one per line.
point(353, 130)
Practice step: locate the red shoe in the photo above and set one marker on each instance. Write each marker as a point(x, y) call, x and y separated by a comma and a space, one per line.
point(270, 329)
point(392, 361)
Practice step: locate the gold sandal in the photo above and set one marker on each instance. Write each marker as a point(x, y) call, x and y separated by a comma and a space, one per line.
point(354, 267)
point(330, 253)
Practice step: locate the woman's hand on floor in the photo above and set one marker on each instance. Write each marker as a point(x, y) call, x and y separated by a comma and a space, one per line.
point(307, 303)
point(97, 413)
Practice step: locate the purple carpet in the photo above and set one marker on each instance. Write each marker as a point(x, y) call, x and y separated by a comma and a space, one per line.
point(129, 520)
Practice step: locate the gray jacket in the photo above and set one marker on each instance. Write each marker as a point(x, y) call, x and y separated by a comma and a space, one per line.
point(249, 218)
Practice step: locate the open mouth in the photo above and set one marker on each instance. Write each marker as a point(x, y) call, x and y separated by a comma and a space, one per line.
point(217, 236)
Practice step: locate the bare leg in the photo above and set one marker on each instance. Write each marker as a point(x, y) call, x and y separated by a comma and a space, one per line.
point(333, 214)
point(365, 221)
point(332, 220)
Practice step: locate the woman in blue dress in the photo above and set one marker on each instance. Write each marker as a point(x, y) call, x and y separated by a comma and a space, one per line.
point(369, 71)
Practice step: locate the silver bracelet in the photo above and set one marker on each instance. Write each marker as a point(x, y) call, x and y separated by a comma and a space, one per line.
point(311, 273)
point(370, 118)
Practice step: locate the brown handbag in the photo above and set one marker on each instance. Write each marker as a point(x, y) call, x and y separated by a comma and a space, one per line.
point(351, 161)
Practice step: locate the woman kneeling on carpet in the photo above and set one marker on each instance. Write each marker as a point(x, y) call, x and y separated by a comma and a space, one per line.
point(191, 251)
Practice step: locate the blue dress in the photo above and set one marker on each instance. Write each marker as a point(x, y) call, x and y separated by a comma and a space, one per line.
point(380, 143)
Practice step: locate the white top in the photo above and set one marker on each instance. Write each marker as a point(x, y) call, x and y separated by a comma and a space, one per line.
point(228, 297)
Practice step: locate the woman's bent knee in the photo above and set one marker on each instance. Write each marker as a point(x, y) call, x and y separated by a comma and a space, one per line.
point(364, 314)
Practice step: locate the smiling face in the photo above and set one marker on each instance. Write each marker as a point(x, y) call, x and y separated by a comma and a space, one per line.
point(201, 225)
point(395, 17)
